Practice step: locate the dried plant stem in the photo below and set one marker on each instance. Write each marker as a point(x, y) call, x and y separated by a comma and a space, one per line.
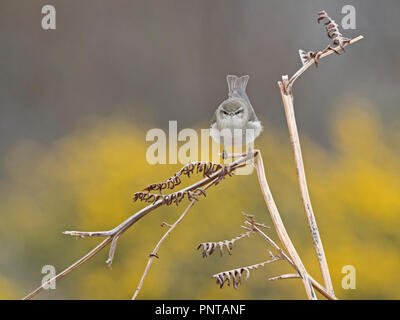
point(314, 283)
point(113, 235)
point(286, 87)
point(294, 137)
point(280, 227)
point(312, 61)
point(63, 273)
point(285, 276)
point(235, 275)
point(154, 253)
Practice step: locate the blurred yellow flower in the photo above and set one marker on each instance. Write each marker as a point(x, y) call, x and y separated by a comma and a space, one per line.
point(86, 180)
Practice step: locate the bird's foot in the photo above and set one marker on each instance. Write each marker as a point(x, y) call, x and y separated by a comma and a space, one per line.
point(249, 153)
point(224, 155)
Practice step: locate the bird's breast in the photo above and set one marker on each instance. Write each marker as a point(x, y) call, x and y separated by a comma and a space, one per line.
point(235, 133)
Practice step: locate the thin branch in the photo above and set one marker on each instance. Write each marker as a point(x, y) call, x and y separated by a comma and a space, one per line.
point(154, 253)
point(286, 89)
point(113, 235)
point(312, 61)
point(276, 247)
point(315, 284)
point(63, 273)
point(285, 276)
point(280, 227)
point(253, 227)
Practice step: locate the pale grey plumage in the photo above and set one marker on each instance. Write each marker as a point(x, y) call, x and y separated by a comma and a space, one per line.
point(235, 113)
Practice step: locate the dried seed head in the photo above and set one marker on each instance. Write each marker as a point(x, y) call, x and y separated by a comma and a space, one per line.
point(234, 276)
point(205, 167)
point(168, 199)
point(332, 30)
point(210, 247)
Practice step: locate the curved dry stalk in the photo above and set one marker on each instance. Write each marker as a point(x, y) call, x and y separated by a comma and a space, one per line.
point(315, 284)
point(283, 255)
point(113, 235)
point(286, 86)
point(311, 61)
point(253, 227)
point(63, 273)
point(280, 227)
point(154, 253)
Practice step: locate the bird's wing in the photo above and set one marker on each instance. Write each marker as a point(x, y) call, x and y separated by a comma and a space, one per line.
point(214, 119)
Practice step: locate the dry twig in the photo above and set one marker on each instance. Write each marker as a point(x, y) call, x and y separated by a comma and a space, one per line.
point(309, 62)
point(154, 253)
point(286, 88)
point(284, 256)
point(285, 276)
point(280, 227)
point(235, 275)
point(113, 235)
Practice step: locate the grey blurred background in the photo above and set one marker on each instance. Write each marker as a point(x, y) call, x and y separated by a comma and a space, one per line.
point(167, 60)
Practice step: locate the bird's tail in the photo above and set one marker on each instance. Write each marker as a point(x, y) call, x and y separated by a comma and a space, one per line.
point(237, 83)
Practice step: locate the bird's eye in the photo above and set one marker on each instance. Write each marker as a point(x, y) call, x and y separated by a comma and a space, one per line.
point(224, 112)
point(239, 111)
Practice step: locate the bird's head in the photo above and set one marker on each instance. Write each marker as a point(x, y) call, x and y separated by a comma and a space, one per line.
point(233, 109)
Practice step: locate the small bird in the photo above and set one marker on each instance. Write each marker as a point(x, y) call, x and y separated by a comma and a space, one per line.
point(235, 118)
